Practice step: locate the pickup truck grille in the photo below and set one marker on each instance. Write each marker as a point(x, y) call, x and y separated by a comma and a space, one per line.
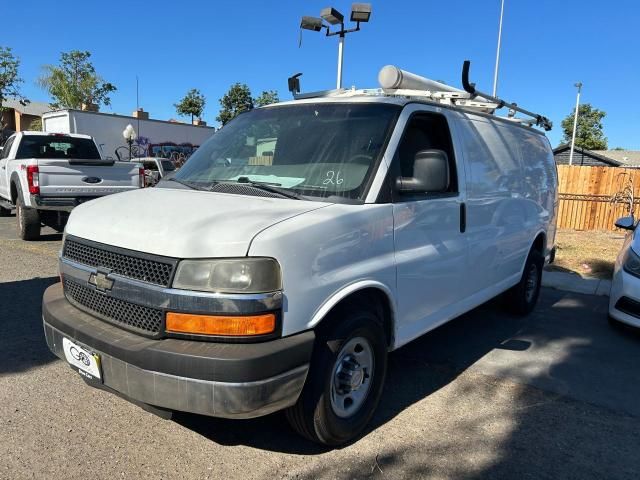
point(124, 314)
point(131, 264)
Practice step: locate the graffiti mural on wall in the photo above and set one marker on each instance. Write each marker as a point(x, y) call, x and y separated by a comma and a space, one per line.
point(143, 147)
point(179, 153)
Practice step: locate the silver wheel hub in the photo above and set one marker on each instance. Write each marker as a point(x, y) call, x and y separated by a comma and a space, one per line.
point(352, 375)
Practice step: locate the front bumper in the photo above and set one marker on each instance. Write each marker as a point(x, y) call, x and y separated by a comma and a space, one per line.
point(624, 298)
point(215, 379)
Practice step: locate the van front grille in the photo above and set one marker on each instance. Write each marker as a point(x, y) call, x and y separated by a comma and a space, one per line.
point(124, 314)
point(131, 264)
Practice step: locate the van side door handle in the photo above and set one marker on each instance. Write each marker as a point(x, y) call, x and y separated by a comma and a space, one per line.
point(463, 217)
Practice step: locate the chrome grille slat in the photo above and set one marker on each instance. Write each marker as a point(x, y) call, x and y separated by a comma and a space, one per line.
point(149, 270)
point(119, 312)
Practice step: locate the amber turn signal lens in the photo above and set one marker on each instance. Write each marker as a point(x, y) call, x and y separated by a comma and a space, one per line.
point(221, 325)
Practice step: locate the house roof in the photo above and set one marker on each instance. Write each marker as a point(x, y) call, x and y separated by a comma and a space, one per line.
point(597, 154)
point(625, 157)
point(31, 108)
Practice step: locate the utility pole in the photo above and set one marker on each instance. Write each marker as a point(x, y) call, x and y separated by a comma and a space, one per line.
point(495, 73)
point(575, 123)
point(340, 57)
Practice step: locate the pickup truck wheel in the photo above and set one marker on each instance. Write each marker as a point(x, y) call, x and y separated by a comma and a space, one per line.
point(28, 221)
point(522, 298)
point(345, 380)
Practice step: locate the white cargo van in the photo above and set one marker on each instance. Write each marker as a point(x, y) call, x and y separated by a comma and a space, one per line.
point(280, 279)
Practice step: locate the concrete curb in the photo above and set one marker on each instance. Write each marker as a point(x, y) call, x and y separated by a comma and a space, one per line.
point(575, 283)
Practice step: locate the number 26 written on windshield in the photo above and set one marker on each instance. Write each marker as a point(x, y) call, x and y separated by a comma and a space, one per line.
point(333, 178)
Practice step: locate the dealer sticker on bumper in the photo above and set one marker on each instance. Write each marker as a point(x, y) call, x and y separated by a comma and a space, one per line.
point(87, 363)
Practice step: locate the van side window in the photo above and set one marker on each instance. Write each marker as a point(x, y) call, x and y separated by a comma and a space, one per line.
point(427, 131)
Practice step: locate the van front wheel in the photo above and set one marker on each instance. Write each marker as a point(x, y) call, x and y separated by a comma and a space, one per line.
point(522, 298)
point(345, 380)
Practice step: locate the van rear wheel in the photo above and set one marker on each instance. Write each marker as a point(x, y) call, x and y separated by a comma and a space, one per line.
point(522, 298)
point(28, 221)
point(345, 380)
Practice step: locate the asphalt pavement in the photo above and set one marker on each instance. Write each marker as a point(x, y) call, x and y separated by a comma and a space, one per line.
point(554, 395)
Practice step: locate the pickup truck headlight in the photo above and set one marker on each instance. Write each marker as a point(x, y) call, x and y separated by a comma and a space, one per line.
point(234, 275)
point(631, 263)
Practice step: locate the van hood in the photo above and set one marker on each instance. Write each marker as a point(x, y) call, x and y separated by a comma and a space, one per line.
point(182, 223)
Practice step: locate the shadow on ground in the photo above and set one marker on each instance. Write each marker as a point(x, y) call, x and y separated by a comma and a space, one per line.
point(49, 237)
point(592, 267)
point(573, 419)
point(22, 342)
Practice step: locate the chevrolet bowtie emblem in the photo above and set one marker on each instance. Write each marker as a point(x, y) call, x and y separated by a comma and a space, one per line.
point(101, 281)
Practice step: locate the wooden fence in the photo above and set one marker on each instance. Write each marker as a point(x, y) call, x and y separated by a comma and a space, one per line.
point(586, 193)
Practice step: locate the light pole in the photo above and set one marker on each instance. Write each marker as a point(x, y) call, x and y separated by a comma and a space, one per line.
point(129, 135)
point(575, 122)
point(495, 72)
point(360, 12)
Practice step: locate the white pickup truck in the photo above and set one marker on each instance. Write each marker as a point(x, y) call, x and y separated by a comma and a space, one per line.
point(44, 175)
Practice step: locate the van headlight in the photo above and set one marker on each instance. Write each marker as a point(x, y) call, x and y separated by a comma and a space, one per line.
point(631, 263)
point(233, 275)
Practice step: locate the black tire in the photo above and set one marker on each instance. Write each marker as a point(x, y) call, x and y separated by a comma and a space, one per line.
point(4, 212)
point(313, 416)
point(27, 221)
point(522, 298)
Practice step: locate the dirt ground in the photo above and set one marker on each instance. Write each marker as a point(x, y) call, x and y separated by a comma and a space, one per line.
point(587, 253)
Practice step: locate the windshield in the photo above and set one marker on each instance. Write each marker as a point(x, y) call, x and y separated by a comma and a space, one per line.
point(327, 151)
point(57, 146)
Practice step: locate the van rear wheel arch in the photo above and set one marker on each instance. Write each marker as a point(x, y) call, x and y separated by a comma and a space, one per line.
point(539, 244)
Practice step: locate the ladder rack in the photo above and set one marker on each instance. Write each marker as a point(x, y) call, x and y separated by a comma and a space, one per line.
point(469, 99)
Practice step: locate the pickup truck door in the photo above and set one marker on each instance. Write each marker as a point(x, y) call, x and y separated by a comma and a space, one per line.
point(4, 168)
point(429, 232)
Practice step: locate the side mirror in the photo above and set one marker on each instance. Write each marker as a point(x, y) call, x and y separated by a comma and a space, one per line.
point(430, 173)
point(626, 223)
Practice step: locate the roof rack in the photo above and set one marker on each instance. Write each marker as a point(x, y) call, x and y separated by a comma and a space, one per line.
point(398, 83)
point(469, 87)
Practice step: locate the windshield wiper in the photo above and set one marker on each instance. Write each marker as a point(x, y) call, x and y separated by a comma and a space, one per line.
point(187, 183)
point(271, 187)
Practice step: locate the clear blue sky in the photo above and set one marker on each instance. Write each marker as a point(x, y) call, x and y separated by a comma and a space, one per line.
point(548, 45)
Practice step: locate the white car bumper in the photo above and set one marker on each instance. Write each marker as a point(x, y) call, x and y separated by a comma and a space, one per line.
point(624, 299)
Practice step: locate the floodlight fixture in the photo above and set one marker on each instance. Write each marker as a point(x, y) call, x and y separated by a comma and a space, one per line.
point(311, 23)
point(332, 16)
point(360, 12)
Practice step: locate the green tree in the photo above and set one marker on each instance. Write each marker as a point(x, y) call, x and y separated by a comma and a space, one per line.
point(267, 97)
point(589, 133)
point(10, 81)
point(75, 81)
point(237, 100)
point(191, 104)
